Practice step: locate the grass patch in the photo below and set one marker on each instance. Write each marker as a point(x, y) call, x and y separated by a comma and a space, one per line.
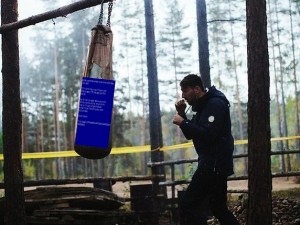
point(290, 193)
point(293, 193)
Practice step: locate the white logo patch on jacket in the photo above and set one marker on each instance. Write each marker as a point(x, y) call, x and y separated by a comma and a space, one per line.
point(211, 119)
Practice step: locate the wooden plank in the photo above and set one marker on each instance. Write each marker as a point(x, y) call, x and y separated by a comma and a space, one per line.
point(82, 197)
point(83, 217)
point(36, 183)
point(81, 212)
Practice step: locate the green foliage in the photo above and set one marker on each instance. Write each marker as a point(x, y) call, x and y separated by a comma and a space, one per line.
point(1, 171)
point(192, 169)
point(29, 170)
point(235, 120)
point(293, 193)
point(1, 143)
point(239, 167)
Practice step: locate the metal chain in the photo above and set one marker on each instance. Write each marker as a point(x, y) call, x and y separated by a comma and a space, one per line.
point(110, 6)
point(100, 20)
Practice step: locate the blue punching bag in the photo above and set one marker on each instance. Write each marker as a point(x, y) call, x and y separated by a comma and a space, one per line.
point(93, 123)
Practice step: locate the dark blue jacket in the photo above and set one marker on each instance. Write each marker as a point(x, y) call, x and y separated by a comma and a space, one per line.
point(210, 130)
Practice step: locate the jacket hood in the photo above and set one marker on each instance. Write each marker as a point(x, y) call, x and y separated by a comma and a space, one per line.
point(211, 93)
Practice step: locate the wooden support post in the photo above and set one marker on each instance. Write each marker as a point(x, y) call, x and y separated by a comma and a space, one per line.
point(12, 119)
point(173, 179)
point(154, 107)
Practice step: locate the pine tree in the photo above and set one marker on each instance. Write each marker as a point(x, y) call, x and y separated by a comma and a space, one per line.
point(174, 47)
point(259, 132)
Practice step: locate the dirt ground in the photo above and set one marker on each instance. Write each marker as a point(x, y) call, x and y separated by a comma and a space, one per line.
point(281, 183)
point(122, 189)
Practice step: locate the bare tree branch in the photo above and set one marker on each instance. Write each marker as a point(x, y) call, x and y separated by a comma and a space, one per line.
point(60, 12)
point(228, 20)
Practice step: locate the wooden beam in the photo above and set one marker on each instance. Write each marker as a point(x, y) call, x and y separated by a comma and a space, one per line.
point(60, 12)
point(35, 183)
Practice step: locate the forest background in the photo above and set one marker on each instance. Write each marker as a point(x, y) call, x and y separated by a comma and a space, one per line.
point(53, 56)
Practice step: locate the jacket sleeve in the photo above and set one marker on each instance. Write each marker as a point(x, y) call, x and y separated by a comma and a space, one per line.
point(209, 124)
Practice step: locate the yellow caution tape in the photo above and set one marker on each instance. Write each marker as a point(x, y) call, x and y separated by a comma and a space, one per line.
point(285, 138)
point(133, 149)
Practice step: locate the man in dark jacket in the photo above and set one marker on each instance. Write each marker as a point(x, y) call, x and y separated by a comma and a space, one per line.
point(210, 130)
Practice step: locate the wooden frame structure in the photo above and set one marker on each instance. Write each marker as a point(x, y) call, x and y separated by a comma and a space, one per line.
point(60, 12)
point(12, 115)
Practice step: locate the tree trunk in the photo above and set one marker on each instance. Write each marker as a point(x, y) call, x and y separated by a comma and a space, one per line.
point(143, 128)
point(177, 97)
point(24, 129)
point(12, 119)
point(127, 56)
point(282, 161)
point(100, 166)
point(143, 123)
point(154, 106)
point(284, 117)
point(41, 126)
point(238, 98)
point(260, 180)
point(203, 51)
point(295, 81)
point(60, 162)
